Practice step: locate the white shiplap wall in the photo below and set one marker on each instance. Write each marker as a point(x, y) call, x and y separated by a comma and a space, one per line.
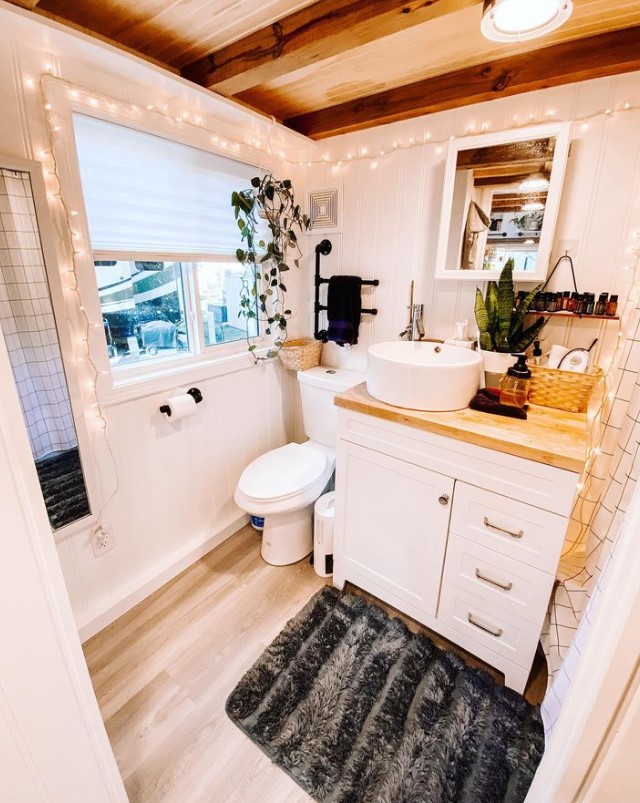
point(175, 482)
point(390, 214)
point(176, 485)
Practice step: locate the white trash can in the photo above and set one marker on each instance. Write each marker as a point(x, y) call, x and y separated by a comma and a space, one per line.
point(324, 512)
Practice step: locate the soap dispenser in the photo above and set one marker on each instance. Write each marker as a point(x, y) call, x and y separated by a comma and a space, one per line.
point(514, 385)
point(538, 358)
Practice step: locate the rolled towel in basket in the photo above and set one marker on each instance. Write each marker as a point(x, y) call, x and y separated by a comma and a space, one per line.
point(344, 307)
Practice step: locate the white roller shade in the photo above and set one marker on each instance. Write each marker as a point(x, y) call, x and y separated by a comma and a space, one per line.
point(145, 193)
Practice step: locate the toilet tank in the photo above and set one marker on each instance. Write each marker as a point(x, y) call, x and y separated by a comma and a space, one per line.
point(318, 386)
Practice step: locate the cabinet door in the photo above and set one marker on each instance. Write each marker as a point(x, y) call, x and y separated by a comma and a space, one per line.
point(392, 520)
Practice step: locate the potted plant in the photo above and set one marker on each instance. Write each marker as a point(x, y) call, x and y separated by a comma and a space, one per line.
point(531, 221)
point(501, 324)
point(265, 255)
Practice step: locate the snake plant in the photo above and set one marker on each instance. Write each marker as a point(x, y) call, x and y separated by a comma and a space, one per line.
point(500, 321)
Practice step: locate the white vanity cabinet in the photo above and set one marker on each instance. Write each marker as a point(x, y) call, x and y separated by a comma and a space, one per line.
point(399, 546)
point(462, 538)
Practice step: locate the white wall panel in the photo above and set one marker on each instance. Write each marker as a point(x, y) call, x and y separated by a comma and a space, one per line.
point(391, 213)
point(176, 485)
point(175, 482)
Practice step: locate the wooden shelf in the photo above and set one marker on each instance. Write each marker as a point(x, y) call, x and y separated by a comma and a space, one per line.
point(565, 314)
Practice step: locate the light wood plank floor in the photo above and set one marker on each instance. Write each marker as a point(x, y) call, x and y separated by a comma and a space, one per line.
point(163, 672)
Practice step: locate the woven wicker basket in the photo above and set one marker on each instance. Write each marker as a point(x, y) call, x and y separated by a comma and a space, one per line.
point(564, 390)
point(298, 355)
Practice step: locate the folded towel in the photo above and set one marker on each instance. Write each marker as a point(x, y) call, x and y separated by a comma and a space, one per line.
point(344, 307)
point(488, 401)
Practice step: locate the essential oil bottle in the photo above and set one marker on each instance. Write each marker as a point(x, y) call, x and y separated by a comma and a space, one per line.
point(590, 303)
point(550, 305)
point(601, 305)
point(612, 305)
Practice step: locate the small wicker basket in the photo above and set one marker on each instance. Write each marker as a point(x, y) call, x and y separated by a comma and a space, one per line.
point(564, 390)
point(298, 355)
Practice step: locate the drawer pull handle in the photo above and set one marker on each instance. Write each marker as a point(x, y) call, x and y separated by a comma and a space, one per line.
point(495, 583)
point(488, 524)
point(472, 621)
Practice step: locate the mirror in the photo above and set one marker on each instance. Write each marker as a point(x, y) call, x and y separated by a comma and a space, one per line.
point(500, 201)
point(29, 329)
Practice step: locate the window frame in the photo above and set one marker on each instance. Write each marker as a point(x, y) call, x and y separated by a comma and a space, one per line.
point(127, 374)
point(65, 99)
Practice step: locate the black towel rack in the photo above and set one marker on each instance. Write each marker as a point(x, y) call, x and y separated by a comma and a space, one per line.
point(322, 249)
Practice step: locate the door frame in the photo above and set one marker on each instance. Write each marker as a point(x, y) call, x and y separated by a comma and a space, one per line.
point(49, 715)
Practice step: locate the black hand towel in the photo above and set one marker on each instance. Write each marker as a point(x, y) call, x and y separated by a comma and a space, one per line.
point(344, 306)
point(488, 401)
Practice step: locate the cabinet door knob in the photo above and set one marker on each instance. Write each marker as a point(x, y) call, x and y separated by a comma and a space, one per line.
point(444, 499)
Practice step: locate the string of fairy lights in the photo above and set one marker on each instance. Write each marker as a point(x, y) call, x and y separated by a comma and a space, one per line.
point(598, 418)
point(262, 144)
point(71, 248)
point(257, 150)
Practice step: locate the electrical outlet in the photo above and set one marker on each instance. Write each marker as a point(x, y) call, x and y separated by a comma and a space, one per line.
point(101, 540)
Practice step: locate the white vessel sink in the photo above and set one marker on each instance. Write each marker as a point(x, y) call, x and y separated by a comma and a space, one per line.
point(423, 375)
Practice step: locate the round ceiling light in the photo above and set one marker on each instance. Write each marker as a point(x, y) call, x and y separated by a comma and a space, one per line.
point(532, 206)
point(536, 181)
point(517, 20)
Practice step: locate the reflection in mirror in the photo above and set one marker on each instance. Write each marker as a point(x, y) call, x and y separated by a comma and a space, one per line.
point(501, 199)
point(505, 194)
point(29, 330)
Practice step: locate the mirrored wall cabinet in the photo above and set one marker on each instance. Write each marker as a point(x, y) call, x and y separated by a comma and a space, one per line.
point(500, 201)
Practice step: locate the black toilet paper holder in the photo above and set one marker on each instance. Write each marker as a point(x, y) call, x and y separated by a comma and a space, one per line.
point(195, 393)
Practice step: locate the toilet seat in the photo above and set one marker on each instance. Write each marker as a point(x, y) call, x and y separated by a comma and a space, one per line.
point(282, 473)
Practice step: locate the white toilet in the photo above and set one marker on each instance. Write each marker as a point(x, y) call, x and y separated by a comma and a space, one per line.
point(282, 485)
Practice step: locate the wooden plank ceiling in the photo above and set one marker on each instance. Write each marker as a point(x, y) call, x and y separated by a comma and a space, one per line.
point(326, 67)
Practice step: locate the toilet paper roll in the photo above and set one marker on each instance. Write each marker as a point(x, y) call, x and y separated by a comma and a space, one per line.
point(555, 355)
point(182, 405)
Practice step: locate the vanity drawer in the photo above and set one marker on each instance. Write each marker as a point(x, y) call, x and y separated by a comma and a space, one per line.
point(506, 582)
point(493, 626)
point(508, 527)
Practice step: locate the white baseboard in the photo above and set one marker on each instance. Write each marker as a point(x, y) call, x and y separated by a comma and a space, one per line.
point(96, 619)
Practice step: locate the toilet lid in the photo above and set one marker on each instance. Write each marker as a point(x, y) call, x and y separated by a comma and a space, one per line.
point(282, 472)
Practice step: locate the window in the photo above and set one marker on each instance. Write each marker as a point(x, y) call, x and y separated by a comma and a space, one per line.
point(143, 309)
point(219, 290)
point(164, 239)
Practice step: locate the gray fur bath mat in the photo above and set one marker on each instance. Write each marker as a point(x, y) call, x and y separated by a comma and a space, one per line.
point(357, 709)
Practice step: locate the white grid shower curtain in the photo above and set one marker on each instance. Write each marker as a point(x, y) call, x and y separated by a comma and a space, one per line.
point(596, 523)
point(27, 321)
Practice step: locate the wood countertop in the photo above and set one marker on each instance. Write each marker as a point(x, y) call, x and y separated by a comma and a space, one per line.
point(549, 436)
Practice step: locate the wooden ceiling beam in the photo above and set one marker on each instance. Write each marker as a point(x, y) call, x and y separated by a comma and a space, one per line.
point(317, 32)
point(511, 153)
point(578, 60)
point(507, 178)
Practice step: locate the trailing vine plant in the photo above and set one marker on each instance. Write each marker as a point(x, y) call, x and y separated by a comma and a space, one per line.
point(268, 217)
